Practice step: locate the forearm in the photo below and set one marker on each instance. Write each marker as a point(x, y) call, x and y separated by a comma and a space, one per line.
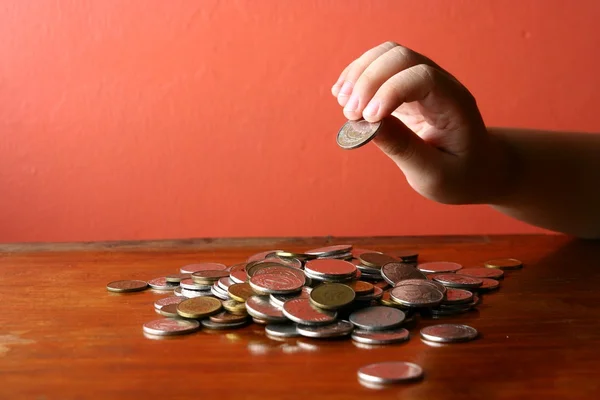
point(555, 180)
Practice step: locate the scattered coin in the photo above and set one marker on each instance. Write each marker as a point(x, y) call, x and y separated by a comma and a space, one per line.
point(302, 312)
point(396, 272)
point(491, 273)
point(361, 287)
point(504, 263)
point(170, 310)
point(239, 276)
point(381, 337)
point(176, 278)
point(240, 291)
point(439, 267)
point(423, 282)
point(330, 250)
point(227, 318)
point(406, 255)
point(376, 295)
point(160, 303)
point(488, 285)
point(330, 268)
point(260, 307)
point(126, 286)
point(209, 276)
point(210, 324)
point(262, 255)
point(282, 330)
point(191, 285)
point(446, 333)
point(377, 318)
point(280, 299)
point(199, 307)
point(458, 296)
point(332, 296)
point(207, 266)
point(416, 295)
point(355, 134)
point(376, 260)
point(235, 307)
point(335, 329)
point(161, 284)
point(275, 284)
point(167, 327)
point(390, 372)
point(457, 281)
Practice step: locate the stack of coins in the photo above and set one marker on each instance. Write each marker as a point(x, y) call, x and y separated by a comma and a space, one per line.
point(334, 291)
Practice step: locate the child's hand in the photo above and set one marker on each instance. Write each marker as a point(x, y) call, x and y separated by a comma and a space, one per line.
point(432, 128)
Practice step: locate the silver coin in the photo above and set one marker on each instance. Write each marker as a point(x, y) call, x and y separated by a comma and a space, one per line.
point(260, 307)
point(169, 310)
point(457, 281)
point(208, 324)
point(160, 303)
point(282, 330)
point(191, 285)
point(416, 295)
point(302, 312)
point(381, 337)
point(280, 299)
point(195, 293)
point(217, 292)
point(446, 333)
point(329, 278)
point(238, 277)
point(224, 283)
point(330, 250)
point(342, 256)
point(390, 372)
point(355, 134)
point(336, 329)
point(167, 326)
point(396, 272)
point(377, 318)
point(162, 284)
point(438, 267)
point(434, 284)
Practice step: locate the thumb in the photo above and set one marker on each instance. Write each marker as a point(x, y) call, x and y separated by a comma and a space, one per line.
point(411, 153)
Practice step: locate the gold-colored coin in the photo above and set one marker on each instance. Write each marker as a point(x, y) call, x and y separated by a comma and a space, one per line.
point(361, 287)
point(199, 307)
point(176, 278)
point(332, 296)
point(126, 286)
point(208, 277)
point(376, 260)
point(240, 291)
point(235, 307)
point(504, 263)
point(386, 300)
point(299, 256)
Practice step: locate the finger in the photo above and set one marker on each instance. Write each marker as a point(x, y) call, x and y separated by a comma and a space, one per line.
point(356, 69)
point(412, 155)
point(377, 73)
point(335, 90)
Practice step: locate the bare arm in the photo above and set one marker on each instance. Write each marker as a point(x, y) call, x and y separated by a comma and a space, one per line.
point(555, 180)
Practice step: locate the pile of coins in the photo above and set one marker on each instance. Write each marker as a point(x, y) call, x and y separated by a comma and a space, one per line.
point(334, 291)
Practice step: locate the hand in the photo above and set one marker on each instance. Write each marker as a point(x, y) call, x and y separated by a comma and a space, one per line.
point(432, 128)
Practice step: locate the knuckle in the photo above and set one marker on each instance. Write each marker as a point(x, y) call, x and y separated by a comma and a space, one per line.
point(390, 44)
point(401, 53)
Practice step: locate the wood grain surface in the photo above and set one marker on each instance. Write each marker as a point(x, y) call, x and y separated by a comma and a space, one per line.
point(63, 336)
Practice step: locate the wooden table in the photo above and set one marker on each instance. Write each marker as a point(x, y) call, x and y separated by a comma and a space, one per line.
point(63, 336)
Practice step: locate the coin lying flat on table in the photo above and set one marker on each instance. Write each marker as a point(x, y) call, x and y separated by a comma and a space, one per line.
point(376, 260)
point(275, 284)
point(355, 134)
point(446, 333)
point(458, 296)
point(336, 329)
point(162, 284)
point(302, 312)
point(381, 337)
point(207, 266)
point(422, 282)
point(226, 318)
point(482, 272)
point(504, 263)
point(126, 286)
point(176, 278)
point(167, 327)
point(158, 304)
point(199, 307)
point(406, 255)
point(390, 372)
point(282, 330)
point(330, 250)
point(377, 318)
point(170, 310)
point(361, 287)
point(416, 295)
point(331, 296)
point(457, 281)
point(439, 267)
point(488, 285)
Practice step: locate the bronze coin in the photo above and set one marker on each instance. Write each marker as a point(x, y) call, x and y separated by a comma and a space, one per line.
point(170, 310)
point(458, 296)
point(361, 287)
point(490, 273)
point(406, 255)
point(191, 268)
point(332, 296)
point(488, 285)
point(126, 286)
point(376, 260)
point(240, 291)
point(457, 281)
point(235, 307)
point(438, 267)
point(276, 284)
point(397, 271)
point(302, 312)
point(262, 255)
point(199, 307)
point(238, 276)
point(504, 263)
point(209, 276)
point(330, 267)
point(355, 134)
point(176, 278)
point(227, 318)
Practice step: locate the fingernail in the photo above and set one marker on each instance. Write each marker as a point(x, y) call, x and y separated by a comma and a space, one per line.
point(372, 108)
point(352, 104)
point(346, 89)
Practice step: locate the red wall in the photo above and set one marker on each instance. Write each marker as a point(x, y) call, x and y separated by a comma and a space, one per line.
point(165, 119)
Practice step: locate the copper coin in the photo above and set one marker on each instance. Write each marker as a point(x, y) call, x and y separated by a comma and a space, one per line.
point(445, 333)
point(381, 284)
point(260, 307)
point(504, 263)
point(160, 303)
point(199, 307)
point(434, 284)
point(256, 266)
point(209, 276)
point(276, 284)
point(330, 250)
point(386, 300)
point(126, 286)
point(168, 326)
point(239, 276)
point(458, 296)
point(396, 272)
point(240, 291)
point(207, 266)
point(357, 252)
point(288, 262)
point(488, 285)
point(161, 284)
point(376, 260)
point(416, 295)
point(191, 285)
point(227, 318)
point(330, 267)
point(377, 318)
point(176, 278)
point(262, 255)
point(457, 281)
point(355, 134)
point(170, 310)
point(491, 273)
point(390, 336)
point(237, 267)
point(335, 329)
point(361, 287)
point(302, 312)
point(280, 299)
point(406, 255)
point(390, 372)
point(376, 295)
point(224, 283)
point(282, 270)
point(439, 267)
